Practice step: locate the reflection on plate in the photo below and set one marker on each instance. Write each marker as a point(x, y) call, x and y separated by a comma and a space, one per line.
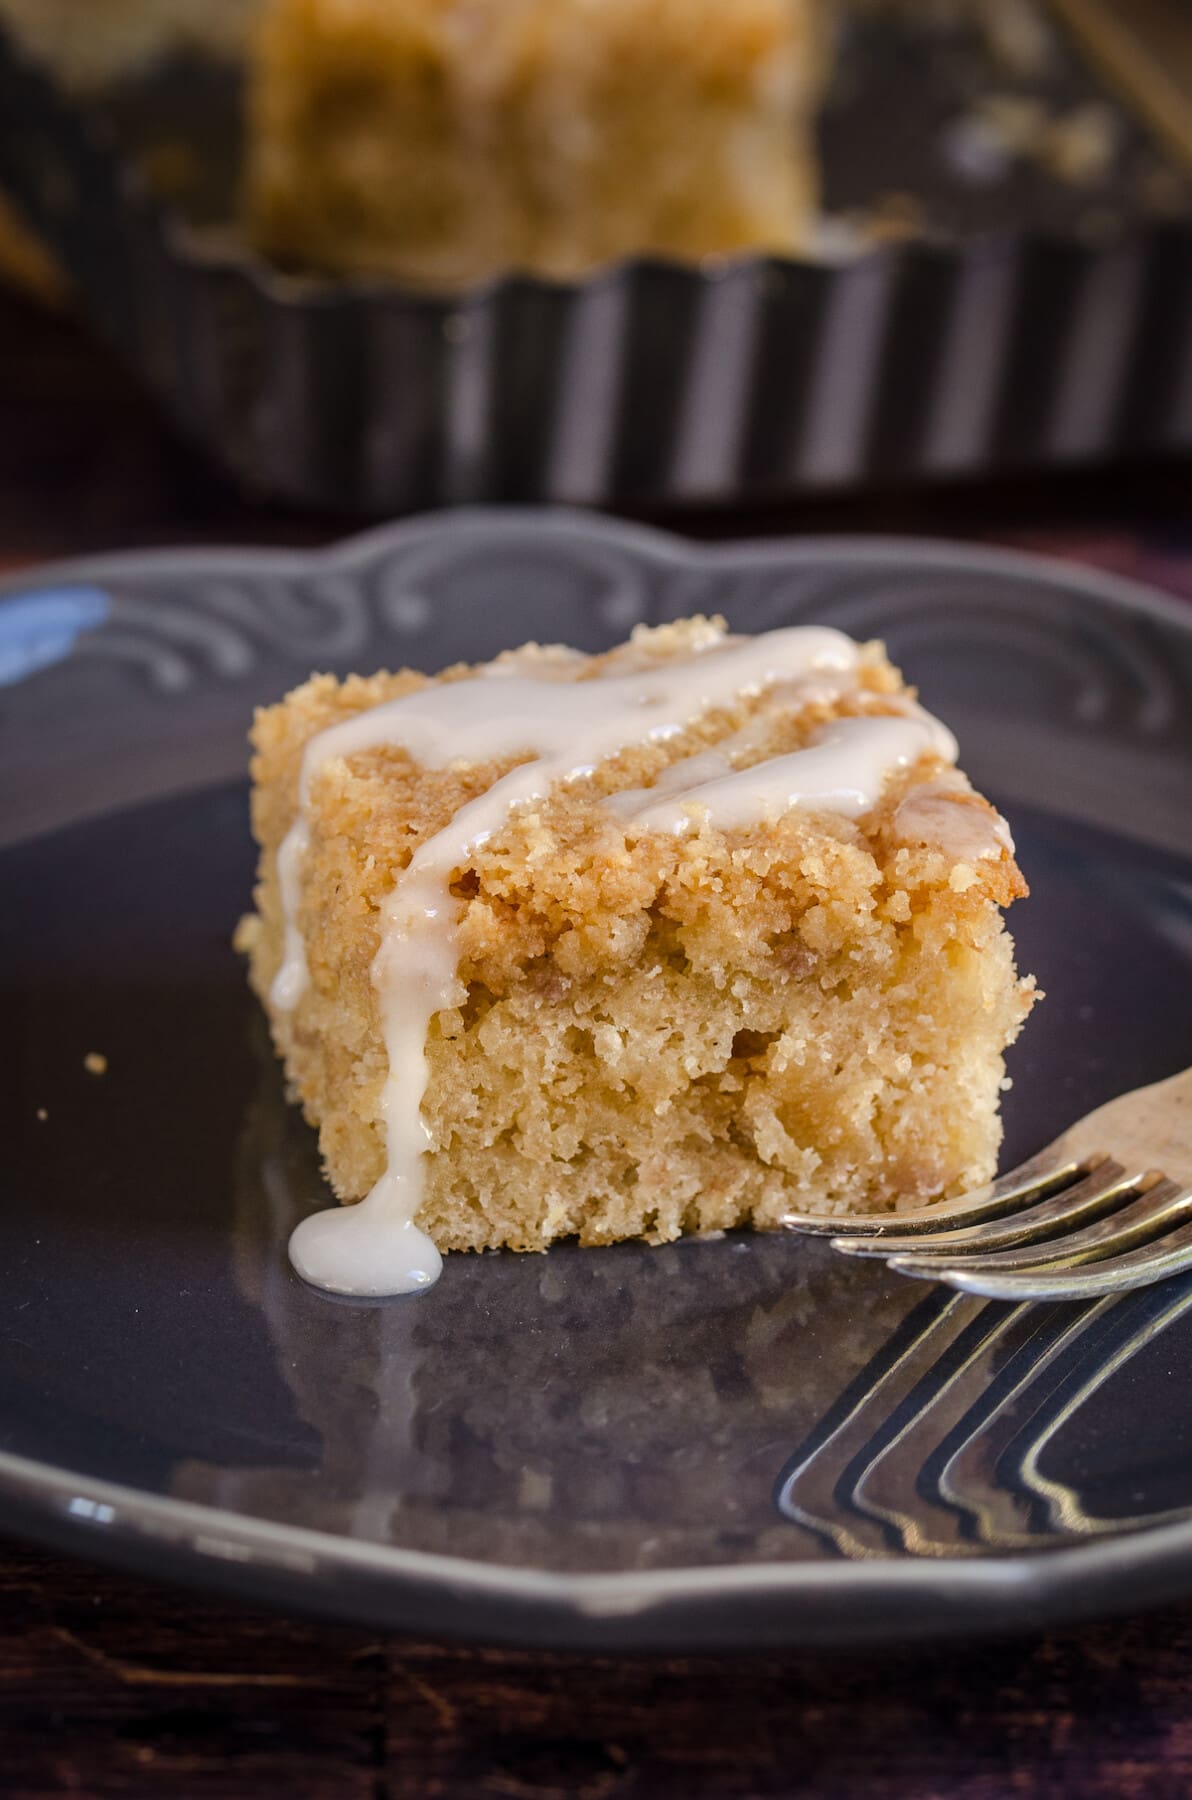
point(740, 1441)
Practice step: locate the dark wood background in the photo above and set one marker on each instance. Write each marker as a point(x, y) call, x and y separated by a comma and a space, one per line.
point(111, 1686)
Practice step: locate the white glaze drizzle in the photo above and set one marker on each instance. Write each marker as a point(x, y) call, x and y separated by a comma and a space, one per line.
point(945, 814)
point(843, 770)
point(566, 727)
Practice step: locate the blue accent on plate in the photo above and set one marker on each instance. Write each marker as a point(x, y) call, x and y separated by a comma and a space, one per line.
point(39, 629)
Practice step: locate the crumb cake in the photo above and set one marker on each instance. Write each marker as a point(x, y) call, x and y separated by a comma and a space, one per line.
point(443, 140)
point(685, 936)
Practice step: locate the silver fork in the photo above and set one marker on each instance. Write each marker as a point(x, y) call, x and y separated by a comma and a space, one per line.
point(1107, 1207)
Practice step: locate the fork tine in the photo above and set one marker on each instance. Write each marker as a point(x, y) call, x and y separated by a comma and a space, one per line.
point(1042, 1175)
point(1098, 1193)
point(1163, 1257)
point(1161, 1205)
point(808, 1491)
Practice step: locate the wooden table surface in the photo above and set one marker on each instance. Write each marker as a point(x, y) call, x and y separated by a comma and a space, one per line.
point(112, 1686)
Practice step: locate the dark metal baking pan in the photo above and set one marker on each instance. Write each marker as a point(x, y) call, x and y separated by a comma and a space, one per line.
point(1014, 320)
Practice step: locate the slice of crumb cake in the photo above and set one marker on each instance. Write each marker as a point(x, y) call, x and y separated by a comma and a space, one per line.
point(684, 936)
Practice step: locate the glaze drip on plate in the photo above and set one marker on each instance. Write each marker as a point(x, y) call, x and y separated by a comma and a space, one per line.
point(534, 705)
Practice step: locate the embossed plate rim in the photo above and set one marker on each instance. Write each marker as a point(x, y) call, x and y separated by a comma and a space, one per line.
point(662, 546)
point(805, 1604)
point(957, 1595)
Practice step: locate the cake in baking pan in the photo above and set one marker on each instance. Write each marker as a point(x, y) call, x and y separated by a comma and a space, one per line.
point(441, 141)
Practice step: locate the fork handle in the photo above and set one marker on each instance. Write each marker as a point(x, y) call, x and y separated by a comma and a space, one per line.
point(1151, 1126)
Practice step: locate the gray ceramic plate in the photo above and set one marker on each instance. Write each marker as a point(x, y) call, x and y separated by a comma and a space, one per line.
point(736, 1442)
